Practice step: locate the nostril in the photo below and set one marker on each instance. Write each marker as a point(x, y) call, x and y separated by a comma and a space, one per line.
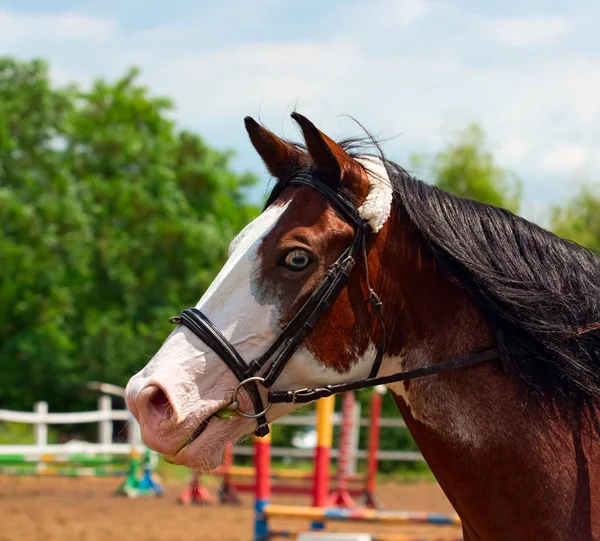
point(158, 402)
point(157, 418)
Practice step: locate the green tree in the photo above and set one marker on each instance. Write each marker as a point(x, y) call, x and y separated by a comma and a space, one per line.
point(112, 219)
point(467, 169)
point(579, 219)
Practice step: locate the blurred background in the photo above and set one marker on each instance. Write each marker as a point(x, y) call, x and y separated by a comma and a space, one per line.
point(125, 169)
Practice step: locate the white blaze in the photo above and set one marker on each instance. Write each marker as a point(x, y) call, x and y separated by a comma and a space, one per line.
point(192, 374)
point(229, 301)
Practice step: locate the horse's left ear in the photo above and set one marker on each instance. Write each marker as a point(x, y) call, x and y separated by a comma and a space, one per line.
point(278, 155)
point(332, 161)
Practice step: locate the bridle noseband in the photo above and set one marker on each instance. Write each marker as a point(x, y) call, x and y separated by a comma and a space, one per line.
point(296, 331)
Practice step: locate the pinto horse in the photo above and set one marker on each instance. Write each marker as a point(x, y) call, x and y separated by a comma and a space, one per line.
point(484, 326)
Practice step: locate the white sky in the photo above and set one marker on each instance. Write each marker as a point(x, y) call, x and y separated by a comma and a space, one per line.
point(418, 69)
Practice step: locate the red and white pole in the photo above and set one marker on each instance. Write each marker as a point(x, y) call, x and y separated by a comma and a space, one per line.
point(195, 492)
point(341, 497)
point(228, 493)
point(369, 498)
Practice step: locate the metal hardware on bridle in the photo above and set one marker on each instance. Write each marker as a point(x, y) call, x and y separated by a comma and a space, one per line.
point(377, 305)
point(299, 327)
point(235, 405)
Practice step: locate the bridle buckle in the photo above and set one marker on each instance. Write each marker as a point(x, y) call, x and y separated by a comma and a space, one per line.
point(375, 301)
point(296, 393)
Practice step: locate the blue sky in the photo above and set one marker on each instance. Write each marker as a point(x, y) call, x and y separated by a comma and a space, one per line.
point(416, 69)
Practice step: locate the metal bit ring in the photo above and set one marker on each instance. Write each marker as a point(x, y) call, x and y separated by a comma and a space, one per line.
point(234, 406)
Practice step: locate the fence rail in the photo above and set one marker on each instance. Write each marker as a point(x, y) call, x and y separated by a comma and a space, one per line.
point(309, 420)
point(64, 418)
point(104, 416)
point(33, 450)
point(40, 418)
point(397, 456)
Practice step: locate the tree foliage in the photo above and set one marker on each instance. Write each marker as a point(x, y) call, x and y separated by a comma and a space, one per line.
point(112, 219)
point(465, 168)
point(579, 219)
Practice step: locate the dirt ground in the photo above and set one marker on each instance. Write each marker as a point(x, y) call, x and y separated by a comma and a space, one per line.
point(67, 509)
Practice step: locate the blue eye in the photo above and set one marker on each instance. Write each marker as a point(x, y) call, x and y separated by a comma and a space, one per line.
point(296, 260)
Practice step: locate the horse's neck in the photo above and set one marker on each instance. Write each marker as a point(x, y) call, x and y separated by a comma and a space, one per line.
point(429, 318)
point(511, 470)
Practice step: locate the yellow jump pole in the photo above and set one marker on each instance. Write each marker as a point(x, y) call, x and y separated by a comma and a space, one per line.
point(262, 487)
point(322, 455)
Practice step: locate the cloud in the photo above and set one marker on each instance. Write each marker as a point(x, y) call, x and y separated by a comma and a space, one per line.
point(526, 110)
point(524, 31)
point(512, 152)
point(565, 157)
point(407, 11)
point(377, 14)
point(407, 84)
point(231, 80)
point(48, 27)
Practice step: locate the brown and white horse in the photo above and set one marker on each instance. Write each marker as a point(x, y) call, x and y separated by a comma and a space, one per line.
point(513, 442)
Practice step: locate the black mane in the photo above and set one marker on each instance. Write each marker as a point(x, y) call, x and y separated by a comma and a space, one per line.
point(538, 291)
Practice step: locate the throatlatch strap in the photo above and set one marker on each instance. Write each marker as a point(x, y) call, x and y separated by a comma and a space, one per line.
point(377, 306)
point(303, 396)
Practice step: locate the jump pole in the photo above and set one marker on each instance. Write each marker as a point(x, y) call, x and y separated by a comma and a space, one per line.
point(400, 518)
point(320, 476)
point(262, 485)
point(262, 467)
point(341, 497)
point(325, 408)
point(228, 492)
point(369, 498)
point(404, 518)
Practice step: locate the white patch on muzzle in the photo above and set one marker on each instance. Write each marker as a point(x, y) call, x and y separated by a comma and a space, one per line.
point(191, 374)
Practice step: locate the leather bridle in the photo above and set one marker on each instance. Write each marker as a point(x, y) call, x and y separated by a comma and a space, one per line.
point(295, 332)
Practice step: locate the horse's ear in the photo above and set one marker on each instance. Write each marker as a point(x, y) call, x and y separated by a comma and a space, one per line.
point(321, 149)
point(278, 155)
point(332, 160)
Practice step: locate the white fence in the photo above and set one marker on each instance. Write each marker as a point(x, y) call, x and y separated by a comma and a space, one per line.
point(40, 418)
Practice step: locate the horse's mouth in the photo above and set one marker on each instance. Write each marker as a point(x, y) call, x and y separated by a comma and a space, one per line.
point(195, 435)
point(201, 428)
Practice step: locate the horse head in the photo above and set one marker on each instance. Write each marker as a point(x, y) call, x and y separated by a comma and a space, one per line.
point(276, 266)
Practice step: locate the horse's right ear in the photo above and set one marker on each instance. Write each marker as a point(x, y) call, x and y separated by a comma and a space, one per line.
point(280, 157)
